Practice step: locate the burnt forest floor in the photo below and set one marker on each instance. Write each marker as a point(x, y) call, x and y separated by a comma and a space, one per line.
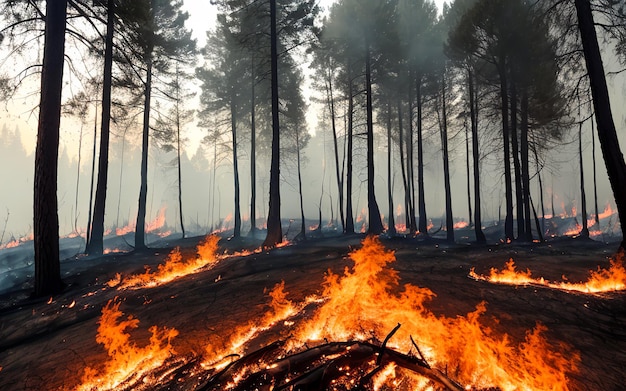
point(46, 344)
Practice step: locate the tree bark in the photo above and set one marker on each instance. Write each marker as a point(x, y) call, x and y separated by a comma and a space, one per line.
point(46, 219)
point(421, 192)
point(140, 226)
point(180, 174)
point(233, 128)
point(349, 212)
point(528, 234)
point(95, 244)
point(508, 188)
point(446, 163)
point(274, 227)
point(391, 229)
point(584, 232)
point(478, 229)
point(331, 104)
point(375, 223)
point(405, 180)
point(515, 151)
point(607, 135)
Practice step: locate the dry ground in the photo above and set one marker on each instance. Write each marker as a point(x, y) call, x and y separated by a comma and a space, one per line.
point(47, 346)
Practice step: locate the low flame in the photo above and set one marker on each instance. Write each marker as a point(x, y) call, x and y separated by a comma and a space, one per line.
point(600, 280)
point(126, 359)
point(174, 267)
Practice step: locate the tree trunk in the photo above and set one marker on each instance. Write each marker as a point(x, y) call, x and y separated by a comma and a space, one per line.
point(467, 175)
point(349, 212)
point(46, 219)
point(515, 150)
point(409, 167)
point(331, 104)
point(302, 219)
point(375, 223)
point(508, 188)
point(422, 224)
point(274, 227)
point(253, 228)
point(233, 128)
point(391, 229)
point(180, 175)
point(405, 180)
point(478, 229)
point(95, 244)
point(528, 233)
point(446, 164)
point(584, 232)
point(93, 176)
point(595, 180)
point(607, 135)
point(140, 226)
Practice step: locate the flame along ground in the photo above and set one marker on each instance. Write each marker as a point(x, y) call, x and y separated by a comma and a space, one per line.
point(600, 280)
point(174, 267)
point(363, 304)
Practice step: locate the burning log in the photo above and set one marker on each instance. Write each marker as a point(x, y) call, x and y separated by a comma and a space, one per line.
point(348, 365)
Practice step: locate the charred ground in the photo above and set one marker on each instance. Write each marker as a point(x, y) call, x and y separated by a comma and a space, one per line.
point(48, 346)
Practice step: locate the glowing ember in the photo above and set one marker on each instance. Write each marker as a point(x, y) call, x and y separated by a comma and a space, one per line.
point(174, 267)
point(461, 224)
point(127, 361)
point(600, 280)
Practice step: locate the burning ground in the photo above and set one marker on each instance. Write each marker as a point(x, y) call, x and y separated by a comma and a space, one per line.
point(322, 314)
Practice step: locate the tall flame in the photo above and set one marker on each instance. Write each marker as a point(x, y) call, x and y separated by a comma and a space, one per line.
point(600, 280)
point(126, 359)
point(363, 303)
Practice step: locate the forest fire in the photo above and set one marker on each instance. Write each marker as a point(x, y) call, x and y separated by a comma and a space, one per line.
point(333, 341)
point(600, 280)
point(173, 267)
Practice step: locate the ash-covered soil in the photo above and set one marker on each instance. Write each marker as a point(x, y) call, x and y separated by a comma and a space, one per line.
point(48, 346)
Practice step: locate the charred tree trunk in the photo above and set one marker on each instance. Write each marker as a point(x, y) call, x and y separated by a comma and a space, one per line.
point(391, 229)
point(609, 143)
point(233, 128)
point(46, 219)
point(508, 187)
point(95, 244)
point(467, 175)
point(422, 224)
point(303, 223)
point(405, 180)
point(349, 212)
point(584, 232)
point(528, 233)
point(595, 180)
point(93, 177)
point(409, 166)
point(253, 228)
point(375, 223)
point(180, 174)
point(446, 163)
point(331, 106)
point(515, 151)
point(140, 226)
point(478, 229)
point(274, 225)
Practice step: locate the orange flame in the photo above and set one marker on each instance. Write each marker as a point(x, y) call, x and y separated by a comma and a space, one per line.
point(461, 224)
point(362, 303)
point(600, 280)
point(158, 222)
point(126, 359)
point(174, 267)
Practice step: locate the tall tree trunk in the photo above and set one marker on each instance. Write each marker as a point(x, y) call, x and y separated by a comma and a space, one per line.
point(274, 227)
point(80, 149)
point(96, 240)
point(584, 232)
point(302, 219)
point(405, 180)
point(46, 219)
point(446, 163)
point(391, 229)
point(349, 211)
point(607, 135)
point(140, 226)
point(233, 124)
point(540, 181)
point(93, 176)
point(467, 175)
point(528, 233)
point(595, 181)
point(515, 150)
point(478, 229)
point(331, 104)
point(508, 188)
point(422, 224)
point(409, 166)
point(180, 175)
point(375, 223)
point(253, 228)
